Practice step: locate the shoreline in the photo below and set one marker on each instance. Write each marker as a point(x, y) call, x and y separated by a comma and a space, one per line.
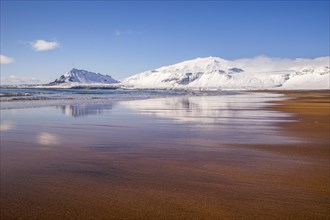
point(312, 114)
point(310, 122)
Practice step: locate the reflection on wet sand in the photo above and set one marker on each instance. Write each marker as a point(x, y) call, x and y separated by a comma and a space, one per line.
point(177, 158)
point(226, 109)
point(239, 118)
point(6, 126)
point(84, 110)
point(46, 138)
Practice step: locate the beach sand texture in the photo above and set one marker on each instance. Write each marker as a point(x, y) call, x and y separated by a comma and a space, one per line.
point(143, 166)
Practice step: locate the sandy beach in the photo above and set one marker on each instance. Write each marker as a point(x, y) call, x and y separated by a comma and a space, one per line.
point(148, 164)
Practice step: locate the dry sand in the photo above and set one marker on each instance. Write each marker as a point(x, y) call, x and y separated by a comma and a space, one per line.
point(270, 181)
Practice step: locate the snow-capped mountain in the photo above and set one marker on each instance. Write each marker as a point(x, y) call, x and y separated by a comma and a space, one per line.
point(256, 73)
point(84, 77)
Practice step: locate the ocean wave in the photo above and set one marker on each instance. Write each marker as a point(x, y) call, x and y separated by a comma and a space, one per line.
point(13, 94)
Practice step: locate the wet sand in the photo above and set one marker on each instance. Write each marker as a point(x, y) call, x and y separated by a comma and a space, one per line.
point(153, 173)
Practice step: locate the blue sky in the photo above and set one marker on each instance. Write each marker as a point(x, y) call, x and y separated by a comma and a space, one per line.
point(123, 38)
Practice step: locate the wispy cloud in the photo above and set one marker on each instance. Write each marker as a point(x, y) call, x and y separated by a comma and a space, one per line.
point(268, 64)
point(6, 60)
point(42, 45)
point(119, 33)
point(18, 79)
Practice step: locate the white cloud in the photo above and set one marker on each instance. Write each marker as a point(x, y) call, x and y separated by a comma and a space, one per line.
point(42, 45)
point(45, 138)
point(18, 79)
point(119, 33)
point(6, 60)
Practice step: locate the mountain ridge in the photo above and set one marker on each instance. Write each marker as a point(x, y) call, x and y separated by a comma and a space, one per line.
point(214, 72)
point(256, 73)
point(83, 77)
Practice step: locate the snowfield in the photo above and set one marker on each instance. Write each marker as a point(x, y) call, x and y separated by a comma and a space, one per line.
point(256, 73)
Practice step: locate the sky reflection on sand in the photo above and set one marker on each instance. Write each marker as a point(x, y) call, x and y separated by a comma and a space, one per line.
point(227, 119)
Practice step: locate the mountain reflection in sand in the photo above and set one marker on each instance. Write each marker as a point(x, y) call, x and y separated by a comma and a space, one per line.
point(239, 118)
point(229, 118)
point(229, 109)
point(84, 110)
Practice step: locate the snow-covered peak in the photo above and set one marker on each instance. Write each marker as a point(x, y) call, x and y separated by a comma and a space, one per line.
point(202, 61)
point(85, 77)
point(256, 73)
point(186, 73)
point(198, 64)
